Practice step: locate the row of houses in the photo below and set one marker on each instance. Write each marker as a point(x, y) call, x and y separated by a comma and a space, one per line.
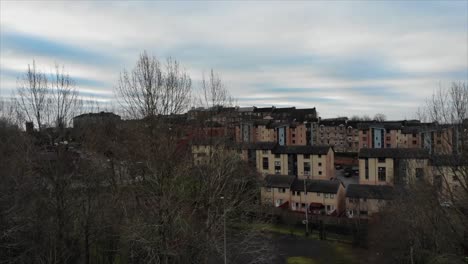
point(351, 136)
point(300, 178)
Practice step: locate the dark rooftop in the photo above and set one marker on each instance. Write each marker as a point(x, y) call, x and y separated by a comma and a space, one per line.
point(402, 153)
point(279, 181)
point(317, 150)
point(381, 192)
point(321, 186)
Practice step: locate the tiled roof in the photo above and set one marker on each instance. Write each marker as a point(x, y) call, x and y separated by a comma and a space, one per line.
point(381, 192)
point(321, 186)
point(402, 153)
point(279, 181)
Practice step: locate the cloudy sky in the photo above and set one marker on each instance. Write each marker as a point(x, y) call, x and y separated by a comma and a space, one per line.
point(344, 57)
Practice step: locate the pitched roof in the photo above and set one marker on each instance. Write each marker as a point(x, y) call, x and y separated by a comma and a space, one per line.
point(402, 153)
point(261, 145)
point(279, 181)
point(321, 186)
point(315, 150)
point(381, 192)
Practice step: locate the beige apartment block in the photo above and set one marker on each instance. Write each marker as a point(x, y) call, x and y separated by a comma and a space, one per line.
point(276, 190)
point(392, 166)
point(365, 201)
point(318, 196)
point(450, 176)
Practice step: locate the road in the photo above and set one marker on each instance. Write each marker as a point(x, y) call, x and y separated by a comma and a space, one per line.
point(346, 180)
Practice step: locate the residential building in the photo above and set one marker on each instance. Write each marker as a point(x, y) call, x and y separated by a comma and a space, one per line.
point(364, 201)
point(340, 133)
point(318, 196)
point(392, 166)
point(276, 190)
point(450, 176)
point(312, 162)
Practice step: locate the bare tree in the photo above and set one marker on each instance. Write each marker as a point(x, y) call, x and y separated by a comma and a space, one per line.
point(213, 92)
point(152, 89)
point(380, 117)
point(447, 106)
point(64, 97)
point(430, 219)
point(31, 97)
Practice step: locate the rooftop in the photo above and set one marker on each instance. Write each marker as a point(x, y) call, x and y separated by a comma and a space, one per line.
point(279, 181)
point(321, 186)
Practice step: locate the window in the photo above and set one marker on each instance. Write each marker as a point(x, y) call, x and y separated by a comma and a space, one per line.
point(293, 135)
point(328, 208)
point(277, 156)
point(382, 174)
point(320, 172)
point(326, 195)
point(294, 141)
point(297, 205)
point(389, 146)
point(303, 204)
point(282, 190)
point(364, 138)
point(414, 142)
point(364, 132)
point(331, 196)
point(306, 168)
point(319, 156)
point(439, 142)
point(364, 199)
point(268, 189)
point(265, 163)
point(320, 164)
point(265, 151)
point(306, 156)
point(363, 212)
point(381, 160)
point(419, 173)
point(318, 194)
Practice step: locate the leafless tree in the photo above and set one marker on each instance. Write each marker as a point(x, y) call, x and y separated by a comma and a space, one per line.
point(213, 92)
point(64, 97)
point(380, 117)
point(152, 88)
point(447, 106)
point(430, 218)
point(32, 94)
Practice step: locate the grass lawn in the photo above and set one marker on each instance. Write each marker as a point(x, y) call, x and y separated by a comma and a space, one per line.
point(281, 229)
point(336, 249)
point(300, 260)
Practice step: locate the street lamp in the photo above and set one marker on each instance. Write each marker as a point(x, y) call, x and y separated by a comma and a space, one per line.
point(306, 209)
point(224, 224)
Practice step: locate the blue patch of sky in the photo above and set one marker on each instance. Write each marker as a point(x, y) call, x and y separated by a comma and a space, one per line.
point(39, 46)
point(375, 91)
point(310, 99)
point(13, 74)
point(228, 58)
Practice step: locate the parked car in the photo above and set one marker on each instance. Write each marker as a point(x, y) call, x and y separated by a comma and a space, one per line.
point(348, 172)
point(338, 167)
point(355, 170)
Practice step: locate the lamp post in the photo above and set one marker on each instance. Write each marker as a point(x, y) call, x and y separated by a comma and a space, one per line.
point(306, 209)
point(224, 227)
